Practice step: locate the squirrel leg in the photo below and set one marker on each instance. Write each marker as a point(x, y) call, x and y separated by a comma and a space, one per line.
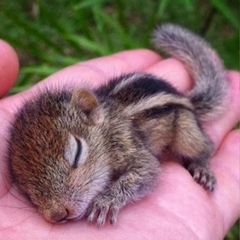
point(134, 184)
point(195, 147)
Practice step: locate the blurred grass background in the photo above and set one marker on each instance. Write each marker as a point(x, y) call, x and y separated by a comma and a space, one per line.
point(49, 35)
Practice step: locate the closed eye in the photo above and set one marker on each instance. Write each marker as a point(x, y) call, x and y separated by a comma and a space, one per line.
point(76, 151)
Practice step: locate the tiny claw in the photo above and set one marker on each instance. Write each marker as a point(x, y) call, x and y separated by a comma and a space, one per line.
point(203, 180)
point(203, 176)
point(196, 176)
point(100, 223)
point(113, 220)
point(210, 185)
point(113, 215)
point(92, 216)
point(102, 216)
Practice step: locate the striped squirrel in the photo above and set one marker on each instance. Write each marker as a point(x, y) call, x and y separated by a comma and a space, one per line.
point(82, 152)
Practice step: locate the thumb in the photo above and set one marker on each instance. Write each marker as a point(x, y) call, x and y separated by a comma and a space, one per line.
point(9, 67)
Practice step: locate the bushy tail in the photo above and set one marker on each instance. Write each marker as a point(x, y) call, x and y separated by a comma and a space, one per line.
point(209, 95)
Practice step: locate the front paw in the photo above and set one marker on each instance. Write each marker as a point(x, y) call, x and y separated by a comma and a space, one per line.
point(103, 206)
point(202, 175)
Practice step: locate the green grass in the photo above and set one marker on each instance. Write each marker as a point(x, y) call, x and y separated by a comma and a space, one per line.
point(49, 35)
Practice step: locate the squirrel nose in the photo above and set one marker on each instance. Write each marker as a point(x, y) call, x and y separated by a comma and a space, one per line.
point(59, 215)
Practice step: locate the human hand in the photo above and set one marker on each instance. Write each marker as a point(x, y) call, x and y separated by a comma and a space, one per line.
point(177, 209)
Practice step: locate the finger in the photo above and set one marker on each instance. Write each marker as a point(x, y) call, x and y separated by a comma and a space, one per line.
point(226, 168)
point(9, 67)
point(172, 71)
point(93, 72)
point(100, 70)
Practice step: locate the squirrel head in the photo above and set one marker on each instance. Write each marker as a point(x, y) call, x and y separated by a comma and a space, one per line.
point(51, 157)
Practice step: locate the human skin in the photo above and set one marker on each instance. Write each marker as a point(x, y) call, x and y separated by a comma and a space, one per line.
point(178, 208)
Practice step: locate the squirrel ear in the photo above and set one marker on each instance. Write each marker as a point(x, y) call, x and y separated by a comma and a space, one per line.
point(89, 104)
point(84, 99)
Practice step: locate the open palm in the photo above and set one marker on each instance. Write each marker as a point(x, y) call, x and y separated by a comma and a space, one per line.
point(177, 209)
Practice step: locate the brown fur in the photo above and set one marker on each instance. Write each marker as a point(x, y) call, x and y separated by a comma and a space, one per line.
point(76, 153)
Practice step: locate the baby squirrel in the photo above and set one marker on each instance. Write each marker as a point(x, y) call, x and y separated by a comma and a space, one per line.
point(82, 152)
